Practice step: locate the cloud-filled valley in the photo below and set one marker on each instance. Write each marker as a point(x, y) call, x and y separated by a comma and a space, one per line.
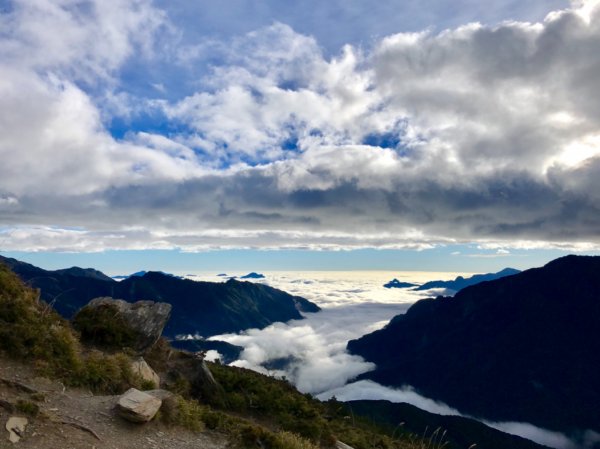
point(479, 132)
point(311, 353)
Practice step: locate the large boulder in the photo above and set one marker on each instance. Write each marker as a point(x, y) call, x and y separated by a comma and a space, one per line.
point(117, 323)
point(137, 406)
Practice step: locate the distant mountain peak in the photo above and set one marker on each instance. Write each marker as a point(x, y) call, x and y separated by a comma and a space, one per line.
point(395, 283)
point(143, 273)
point(253, 275)
point(85, 272)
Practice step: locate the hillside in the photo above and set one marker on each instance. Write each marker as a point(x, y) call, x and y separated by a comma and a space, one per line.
point(521, 348)
point(67, 390)
point(205, 308)
point(461, 432)
point(54, 418)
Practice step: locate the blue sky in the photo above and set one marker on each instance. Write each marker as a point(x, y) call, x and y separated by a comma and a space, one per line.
point(461, 258)
point(341, 134)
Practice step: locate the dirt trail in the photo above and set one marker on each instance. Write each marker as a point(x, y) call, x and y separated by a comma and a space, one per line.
point(65, 413)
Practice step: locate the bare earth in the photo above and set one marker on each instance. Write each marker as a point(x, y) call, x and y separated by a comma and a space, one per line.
point(63, 410)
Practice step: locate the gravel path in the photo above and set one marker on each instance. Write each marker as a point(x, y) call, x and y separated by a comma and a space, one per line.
point(66, 412)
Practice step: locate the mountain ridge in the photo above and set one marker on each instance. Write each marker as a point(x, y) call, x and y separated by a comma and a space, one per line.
point(460, 432)
point(198, 307)
point(519, 348)
point(461, 282)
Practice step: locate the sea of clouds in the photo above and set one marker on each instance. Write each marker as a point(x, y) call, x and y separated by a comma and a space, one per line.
point(311, 353)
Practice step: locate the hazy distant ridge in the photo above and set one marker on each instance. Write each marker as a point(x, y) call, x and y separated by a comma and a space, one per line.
point(460, 282)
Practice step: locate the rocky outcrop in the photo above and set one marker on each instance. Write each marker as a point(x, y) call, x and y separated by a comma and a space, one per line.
point(115, 322)
point(191, 366)
point(137, 406)
point(142, 369)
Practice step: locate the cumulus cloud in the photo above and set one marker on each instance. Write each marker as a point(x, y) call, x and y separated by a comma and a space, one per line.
point(475, 133)
point(306, 354)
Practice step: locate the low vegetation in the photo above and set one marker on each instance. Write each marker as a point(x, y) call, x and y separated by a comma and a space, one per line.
point(103, 327)
point(30, 330)
point(255, 410)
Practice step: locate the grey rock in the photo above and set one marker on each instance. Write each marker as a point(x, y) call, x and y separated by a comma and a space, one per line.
point(192, 366)
point(146, 318)
point(142, 369)
point(137, 406)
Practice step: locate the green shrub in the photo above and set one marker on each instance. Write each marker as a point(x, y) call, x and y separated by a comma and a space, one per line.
point(30, 330)
point(104, 326)
point(262, 397)
point(27, 407)
point(106, 373)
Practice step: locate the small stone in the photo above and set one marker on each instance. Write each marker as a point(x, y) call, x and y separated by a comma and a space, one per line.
point(137, 406)
point(16, 427)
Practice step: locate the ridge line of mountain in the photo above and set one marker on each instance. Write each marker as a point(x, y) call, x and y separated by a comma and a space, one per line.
point(204, 308)
point(521, 348)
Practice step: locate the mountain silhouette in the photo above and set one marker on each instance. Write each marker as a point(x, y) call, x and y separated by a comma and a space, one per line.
point(460, 282)
point(395, 283)
point(459, 432)
point(204, 308)
point(521, 348)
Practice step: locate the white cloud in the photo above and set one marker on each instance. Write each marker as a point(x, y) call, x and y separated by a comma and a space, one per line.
point(533, 433)
point(311, 353)
point(313, 363)
point(87, 40)
point(366, 389)
point(212, 355)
